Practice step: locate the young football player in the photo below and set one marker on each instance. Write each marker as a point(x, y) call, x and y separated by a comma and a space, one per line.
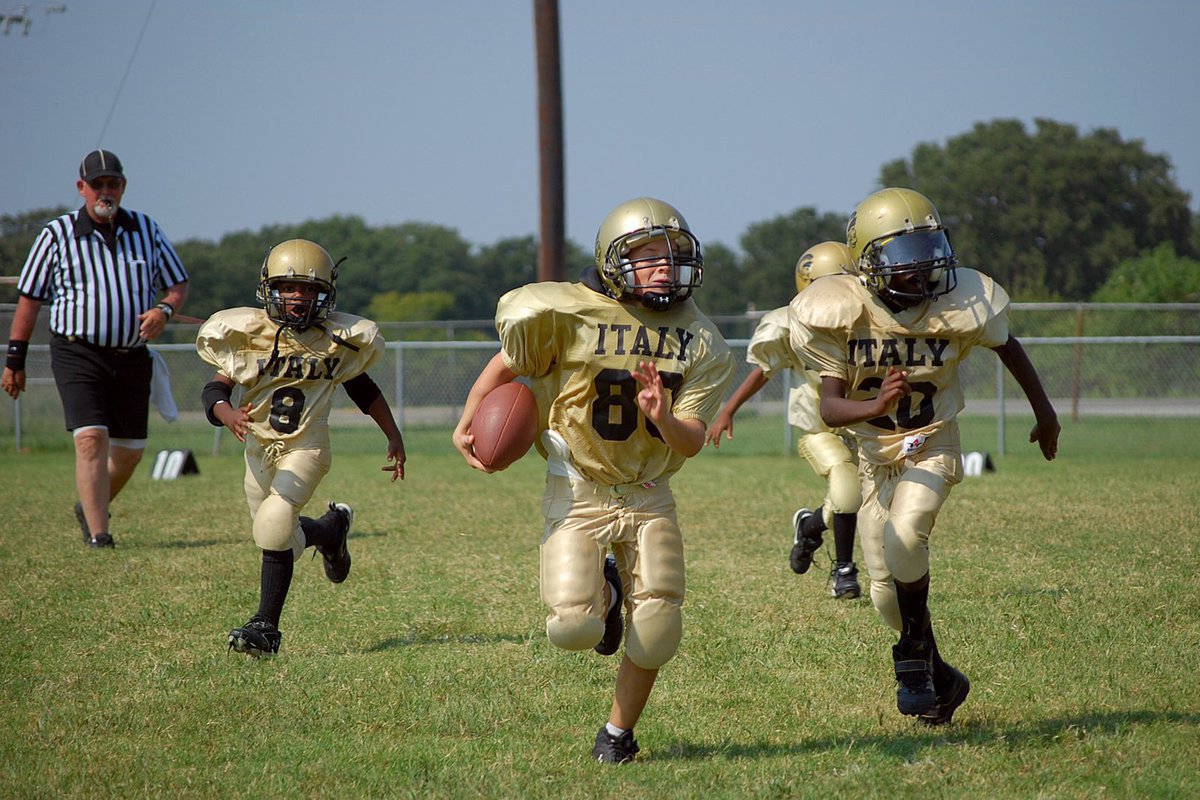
point(289, 357)
point(888, 342)
point(627, 372)
point(825, 449)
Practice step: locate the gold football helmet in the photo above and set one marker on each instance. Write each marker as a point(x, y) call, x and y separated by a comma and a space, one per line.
point(898, 233)
point(634, 223)
point(826, 258)
point(298, 261)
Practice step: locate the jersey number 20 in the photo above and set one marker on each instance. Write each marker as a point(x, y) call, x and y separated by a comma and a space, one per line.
point(906, 418)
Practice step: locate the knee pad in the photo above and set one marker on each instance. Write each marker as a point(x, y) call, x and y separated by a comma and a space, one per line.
point(574, 628)
point(277, 526)
point(845, 491)
point(572, 584)
point(655, 629)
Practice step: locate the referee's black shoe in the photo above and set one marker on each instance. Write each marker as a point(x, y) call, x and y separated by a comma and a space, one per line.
point(100, 539)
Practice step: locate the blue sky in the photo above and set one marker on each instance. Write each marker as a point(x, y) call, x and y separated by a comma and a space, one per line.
point(234, 115)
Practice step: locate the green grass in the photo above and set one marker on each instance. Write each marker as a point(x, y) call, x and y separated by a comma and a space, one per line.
point(1066, 591)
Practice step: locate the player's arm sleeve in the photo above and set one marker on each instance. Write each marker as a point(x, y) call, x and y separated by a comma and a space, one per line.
point(995, 330)
point(704, 388)
point(770, 349)
point(217, 344)
point(215, 392)
point(530, 331)
point(363, 391)
point(819, 348)
point(360, 346)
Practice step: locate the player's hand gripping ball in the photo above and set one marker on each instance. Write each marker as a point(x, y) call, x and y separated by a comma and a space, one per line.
point(504, 425)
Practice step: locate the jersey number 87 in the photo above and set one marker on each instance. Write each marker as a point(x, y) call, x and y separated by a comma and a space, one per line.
point(617, 389)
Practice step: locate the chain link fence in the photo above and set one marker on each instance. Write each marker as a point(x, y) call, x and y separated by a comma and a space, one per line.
point(1110, 360)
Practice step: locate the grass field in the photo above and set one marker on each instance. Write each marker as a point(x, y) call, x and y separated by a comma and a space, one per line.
point(1066, 591)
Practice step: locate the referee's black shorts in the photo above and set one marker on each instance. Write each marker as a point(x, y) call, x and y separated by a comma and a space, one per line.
point(102, 386)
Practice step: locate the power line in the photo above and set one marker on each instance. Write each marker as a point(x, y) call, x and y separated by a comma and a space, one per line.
point(128, 67)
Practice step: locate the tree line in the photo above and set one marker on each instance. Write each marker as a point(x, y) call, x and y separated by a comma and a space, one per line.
point(1052, 213)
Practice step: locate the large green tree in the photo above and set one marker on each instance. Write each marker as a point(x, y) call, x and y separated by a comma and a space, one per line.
point(772, 247)
point(1049, 213)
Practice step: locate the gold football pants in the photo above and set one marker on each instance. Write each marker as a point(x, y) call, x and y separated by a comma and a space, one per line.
point(585, 519)
point(277, 487)
point(900, 505)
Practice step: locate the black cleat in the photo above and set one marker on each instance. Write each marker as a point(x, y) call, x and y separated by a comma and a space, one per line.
point(803, 546)
point(101, 540)
point(258, 637)
point(948, 699)
point(611, 749)
point(614, 623)
point(337, 555)
point(845, 580)
point(914, 678)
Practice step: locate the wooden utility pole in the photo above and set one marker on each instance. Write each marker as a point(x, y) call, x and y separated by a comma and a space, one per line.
point(551, 248)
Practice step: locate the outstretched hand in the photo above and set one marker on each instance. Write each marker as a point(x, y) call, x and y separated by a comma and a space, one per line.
point(236, 419)
point(1045, 433)
point(652, 399)
point(722, 424)
point(396, 459)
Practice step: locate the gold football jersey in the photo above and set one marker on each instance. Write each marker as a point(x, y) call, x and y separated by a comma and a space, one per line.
point(291, 396)
point(770, 350)
point(579, 347)
point(845, 330)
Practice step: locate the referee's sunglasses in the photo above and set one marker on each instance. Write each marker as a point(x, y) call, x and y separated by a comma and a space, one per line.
point(101, 184)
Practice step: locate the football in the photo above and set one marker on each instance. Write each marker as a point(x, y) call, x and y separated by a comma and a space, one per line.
point(505, 425)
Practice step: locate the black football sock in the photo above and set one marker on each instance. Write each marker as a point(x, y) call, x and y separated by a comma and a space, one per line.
point(913, 599)
point(322, 531)
point(276, 579)
point(844, 526)
point(814, 525)
point(941, 674)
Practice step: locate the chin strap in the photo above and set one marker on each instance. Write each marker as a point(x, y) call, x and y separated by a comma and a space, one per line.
point(275, 349)
point(335, 337)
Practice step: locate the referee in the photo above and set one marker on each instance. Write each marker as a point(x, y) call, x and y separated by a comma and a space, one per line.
point(102, 268)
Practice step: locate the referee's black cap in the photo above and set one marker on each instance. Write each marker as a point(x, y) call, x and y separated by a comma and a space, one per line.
point(99, 164)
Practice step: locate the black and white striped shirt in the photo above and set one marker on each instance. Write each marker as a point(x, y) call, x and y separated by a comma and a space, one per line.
point(97, 288)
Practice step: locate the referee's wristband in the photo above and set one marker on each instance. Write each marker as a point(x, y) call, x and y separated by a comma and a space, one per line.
point(166, 308)
point(17, 348)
